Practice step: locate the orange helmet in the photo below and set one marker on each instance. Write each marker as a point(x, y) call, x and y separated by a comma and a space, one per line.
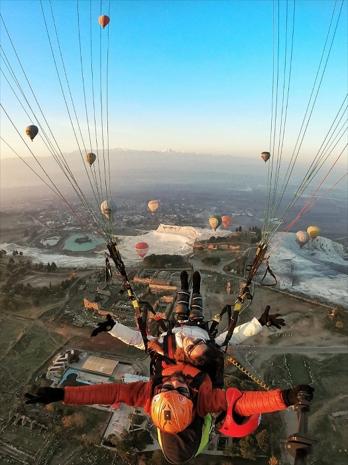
point(171, 412)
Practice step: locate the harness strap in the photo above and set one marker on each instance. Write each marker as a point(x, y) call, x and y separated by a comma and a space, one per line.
point(269, 271)
point(120, 266)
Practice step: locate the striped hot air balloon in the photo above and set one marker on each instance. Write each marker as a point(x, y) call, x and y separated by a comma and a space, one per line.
point(265, 156)
point(31, 131)
point(90, 158)
point(103, 21)
point(215, 222)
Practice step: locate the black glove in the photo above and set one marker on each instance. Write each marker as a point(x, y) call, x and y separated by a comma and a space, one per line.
point(106, 325)
point(45, 395)
point(271, 320)
point(290, 396)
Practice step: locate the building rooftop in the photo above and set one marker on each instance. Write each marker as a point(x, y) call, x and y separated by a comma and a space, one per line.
point(101, 365)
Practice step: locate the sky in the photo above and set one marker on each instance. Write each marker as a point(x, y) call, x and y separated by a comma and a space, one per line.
point(192, 76)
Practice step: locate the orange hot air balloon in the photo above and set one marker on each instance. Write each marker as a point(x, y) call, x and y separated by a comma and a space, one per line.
point(31, 131)
point(153, 205)
point(142, 248)
point(215, 222)
point(265, 156)
point(226, 221)
point(103, 21)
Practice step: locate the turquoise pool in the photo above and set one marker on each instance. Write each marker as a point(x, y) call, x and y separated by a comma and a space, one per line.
point(90, 243)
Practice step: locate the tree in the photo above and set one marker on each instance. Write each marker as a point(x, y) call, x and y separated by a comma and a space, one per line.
point(263, 440)
point(53, 266)
point(248, 448)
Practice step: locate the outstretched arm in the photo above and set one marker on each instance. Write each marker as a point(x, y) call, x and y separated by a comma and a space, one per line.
point(136, 394)
point(241, 332)
point(252, 328)
point(129, 336)
point(250, 402)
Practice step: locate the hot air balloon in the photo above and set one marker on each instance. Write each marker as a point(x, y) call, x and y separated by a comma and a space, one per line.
point(313, 231)
point(90, 158)
point(103, 21)
point(302, 237)
point(142, 248)
point(105, 209)
point(153, 205)
point(226, 221)
point(31, 131)
point(215, 222)
point(265, 156)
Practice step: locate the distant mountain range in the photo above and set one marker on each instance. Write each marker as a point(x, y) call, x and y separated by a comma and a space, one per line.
point(134, 168)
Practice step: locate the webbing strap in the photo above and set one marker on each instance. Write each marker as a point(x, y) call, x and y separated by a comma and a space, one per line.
point(120, 266)
point(245, 293)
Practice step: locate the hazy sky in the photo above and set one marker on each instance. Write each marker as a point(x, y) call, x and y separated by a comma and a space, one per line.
point(185, 75)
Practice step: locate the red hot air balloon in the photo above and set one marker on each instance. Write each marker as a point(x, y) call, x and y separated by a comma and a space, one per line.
point(226, 221)
point(103, 21)
point(142, 248)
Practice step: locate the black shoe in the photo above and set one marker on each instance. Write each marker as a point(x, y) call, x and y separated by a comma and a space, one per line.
point(196, 282)
point(184, 280)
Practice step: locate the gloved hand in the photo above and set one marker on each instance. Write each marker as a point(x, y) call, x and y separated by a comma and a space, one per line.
point(106, 325)
point(290, 396)
point(271, 320)
point(45, 395)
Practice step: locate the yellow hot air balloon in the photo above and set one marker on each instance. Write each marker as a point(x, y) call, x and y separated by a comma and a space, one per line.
point(31, 131)
point(153, 205)
point(105, 209)
point(313, 231)
point(90, 158)
point(215, 222)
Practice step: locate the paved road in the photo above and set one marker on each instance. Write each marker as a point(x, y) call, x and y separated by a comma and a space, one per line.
point(295, 349)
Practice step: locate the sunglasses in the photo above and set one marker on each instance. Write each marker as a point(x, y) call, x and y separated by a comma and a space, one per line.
point(190, 348)
point(184, 391)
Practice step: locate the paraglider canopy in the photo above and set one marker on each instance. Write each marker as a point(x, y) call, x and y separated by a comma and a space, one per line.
point(313, 231)
point(302, 237)
point(103, 21)
point(265, 156)
point(90, 158)
point(215, 222)
point(142, 248)
point(153, 205)
point(105, 209)
point(31, 131)
point(226, 221)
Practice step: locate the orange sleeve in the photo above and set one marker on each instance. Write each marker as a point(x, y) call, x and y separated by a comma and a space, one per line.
point(210, 400)
point(259, 402)
point(214, 400)
point(135, 394)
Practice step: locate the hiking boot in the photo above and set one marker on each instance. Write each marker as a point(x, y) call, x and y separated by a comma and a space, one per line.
point(196, 282)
